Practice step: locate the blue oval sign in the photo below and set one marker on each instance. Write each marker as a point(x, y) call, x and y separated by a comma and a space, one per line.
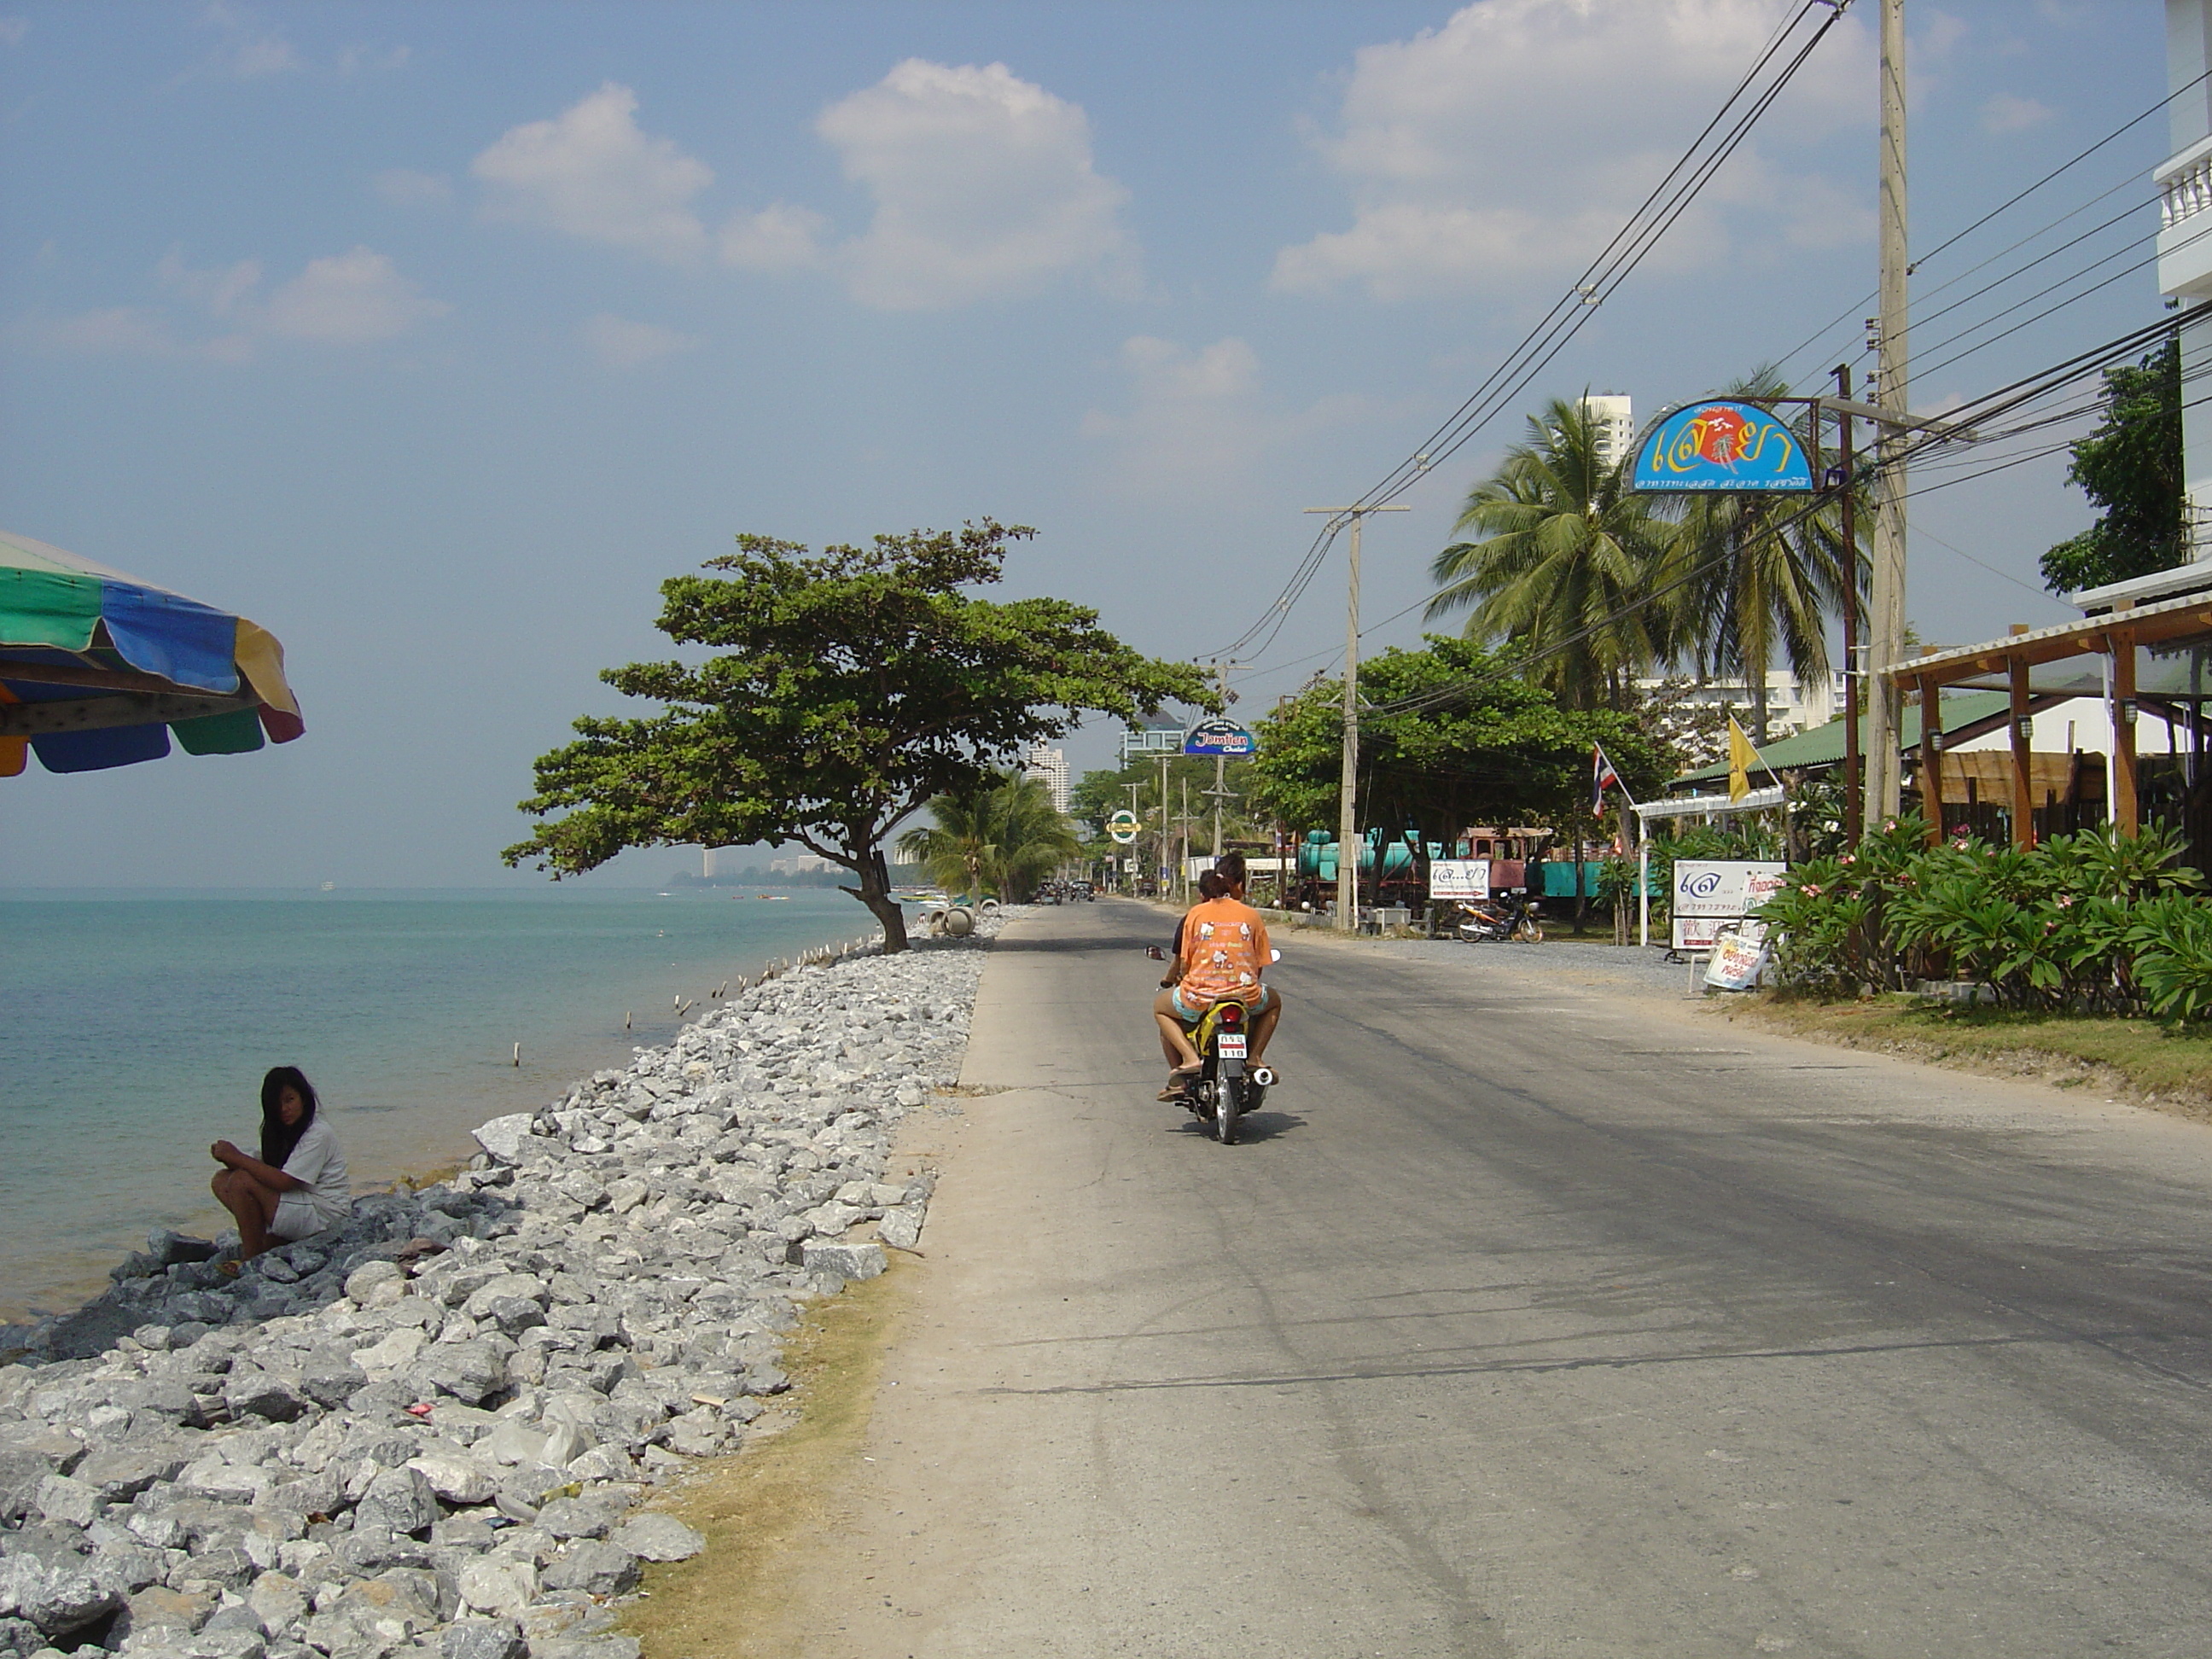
point(1218, 738)
point(1721, 445)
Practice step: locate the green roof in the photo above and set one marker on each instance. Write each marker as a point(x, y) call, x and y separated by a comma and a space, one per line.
point(1824, 744)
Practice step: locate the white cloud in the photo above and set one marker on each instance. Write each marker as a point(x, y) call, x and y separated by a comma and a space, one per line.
point(356, 298)
point(1517, 137)
point(779, 238)
point(247, 53)
point(619, 342)
point(983, 184)
point(2005, 112)
point(365, 60)
point(405, 188)
point(1200, 421)
point(592, 173)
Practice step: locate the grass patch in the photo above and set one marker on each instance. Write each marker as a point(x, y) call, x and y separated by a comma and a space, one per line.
point(756, 1507)
point(2162, 1062)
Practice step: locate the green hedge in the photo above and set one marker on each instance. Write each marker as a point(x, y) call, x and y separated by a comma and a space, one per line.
point(2094, 922)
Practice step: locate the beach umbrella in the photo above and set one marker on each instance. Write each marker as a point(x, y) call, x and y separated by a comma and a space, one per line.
point(98, 669)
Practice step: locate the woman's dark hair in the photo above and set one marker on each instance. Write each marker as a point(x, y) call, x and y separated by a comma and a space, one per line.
point(279, 1138)
point(1230, 866)
point(1210, 884)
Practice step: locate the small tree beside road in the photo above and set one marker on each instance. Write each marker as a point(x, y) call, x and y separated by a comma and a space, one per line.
point(847, 689)
point(1001, 838)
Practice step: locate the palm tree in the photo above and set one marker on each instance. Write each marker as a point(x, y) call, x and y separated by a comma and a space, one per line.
point(1000, 839)
point(1756, 588)
point(1565, 558)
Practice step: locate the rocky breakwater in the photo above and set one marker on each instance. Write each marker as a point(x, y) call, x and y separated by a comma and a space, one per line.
point(425, 1432)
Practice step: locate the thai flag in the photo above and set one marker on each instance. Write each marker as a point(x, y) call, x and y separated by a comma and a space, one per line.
point(1602, 778)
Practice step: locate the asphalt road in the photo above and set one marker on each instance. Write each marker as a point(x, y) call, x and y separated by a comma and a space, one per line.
point(1531, 1320)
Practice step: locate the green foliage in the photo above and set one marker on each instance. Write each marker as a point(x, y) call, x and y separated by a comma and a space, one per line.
point(2131, 467)
point(2094, 921)
point(846, 689)
point(1493, 748)
point(1559, 550)
point(1096, 796)
point(999, 840)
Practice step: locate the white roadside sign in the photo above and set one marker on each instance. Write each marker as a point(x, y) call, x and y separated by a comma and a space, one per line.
point(1459, 878)
point(1710, 892)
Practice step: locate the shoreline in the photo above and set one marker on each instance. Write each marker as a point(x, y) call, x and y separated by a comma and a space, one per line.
point(423, 1430)
point(404, 1108)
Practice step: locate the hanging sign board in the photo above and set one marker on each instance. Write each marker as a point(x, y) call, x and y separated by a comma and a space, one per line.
point(1122, 826)
point(1459, 878)
point(1722, 446)
point(1711, 894)
point(1223, 738)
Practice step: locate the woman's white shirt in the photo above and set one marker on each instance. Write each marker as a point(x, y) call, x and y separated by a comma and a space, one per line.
point(316, 1161)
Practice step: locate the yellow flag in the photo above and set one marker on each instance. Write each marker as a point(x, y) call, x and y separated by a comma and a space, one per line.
point(1741, 758)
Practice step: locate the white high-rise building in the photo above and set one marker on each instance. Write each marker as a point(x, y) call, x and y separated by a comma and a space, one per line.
point(1050, 767)
point(1614, 416)
point(2184, 251)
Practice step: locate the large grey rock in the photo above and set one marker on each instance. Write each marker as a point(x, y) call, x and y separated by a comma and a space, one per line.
point(848, 1260)
point(20, 1471)
point(398, 1500)
point(483, 1638)
point(69, 1502)
point(168, 1249)
point(503, 1138)
point(250, 1392)
point(457, 1478)
point(498, 1585)
point(585, 1647)
point(901, 1228)
point(656, 1537)
point(121, 1472)
point(595, 1567)
point(58, 1598)
point(470, 1371)
point(580, 1517)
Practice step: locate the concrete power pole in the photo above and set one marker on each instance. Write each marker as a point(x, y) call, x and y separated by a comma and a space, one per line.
point(1886, 624)
point(1347, 817)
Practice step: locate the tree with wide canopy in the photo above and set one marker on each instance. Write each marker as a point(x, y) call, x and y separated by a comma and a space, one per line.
point(847, 689)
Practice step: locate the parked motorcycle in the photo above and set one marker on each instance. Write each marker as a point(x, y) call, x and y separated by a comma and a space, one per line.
point(1501, 920)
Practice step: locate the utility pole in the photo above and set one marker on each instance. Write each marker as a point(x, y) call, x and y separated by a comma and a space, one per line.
point(1134, 855)
point(1886, 624)
point(1347, 818)
point(1854, 782)
point(1166, 892)
point(1220, 762)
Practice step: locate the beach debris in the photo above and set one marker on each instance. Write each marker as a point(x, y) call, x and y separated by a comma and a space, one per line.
point(425, 1434)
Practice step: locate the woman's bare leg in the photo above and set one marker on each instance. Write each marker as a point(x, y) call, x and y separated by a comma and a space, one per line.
point(1263, 1023)
point(1175, 1044)
point(251, 1204)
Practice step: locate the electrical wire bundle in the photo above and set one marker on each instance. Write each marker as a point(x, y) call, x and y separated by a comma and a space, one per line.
point(1784, 54)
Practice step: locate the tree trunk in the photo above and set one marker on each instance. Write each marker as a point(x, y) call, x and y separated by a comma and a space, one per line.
point(875, 893)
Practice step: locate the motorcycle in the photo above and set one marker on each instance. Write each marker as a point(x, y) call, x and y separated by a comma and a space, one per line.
point(1501, 921)
point(1226, 1087)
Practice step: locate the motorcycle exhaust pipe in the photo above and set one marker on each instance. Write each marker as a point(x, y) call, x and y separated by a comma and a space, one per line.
point(1264, 1076)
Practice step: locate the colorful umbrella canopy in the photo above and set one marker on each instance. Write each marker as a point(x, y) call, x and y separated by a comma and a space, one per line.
point(97, 669)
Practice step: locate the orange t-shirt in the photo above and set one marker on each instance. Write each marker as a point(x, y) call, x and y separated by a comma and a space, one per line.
point(1224, 947)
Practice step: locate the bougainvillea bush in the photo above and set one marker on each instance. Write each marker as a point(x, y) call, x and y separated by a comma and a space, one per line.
point(2094, 922)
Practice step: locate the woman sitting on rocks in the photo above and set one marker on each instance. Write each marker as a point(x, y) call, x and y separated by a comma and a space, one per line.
point(298, 1184)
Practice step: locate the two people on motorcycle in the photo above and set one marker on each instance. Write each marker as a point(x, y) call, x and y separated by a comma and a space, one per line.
point(1221, 950)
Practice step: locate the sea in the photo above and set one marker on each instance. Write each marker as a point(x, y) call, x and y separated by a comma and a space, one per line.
point(137, 1025)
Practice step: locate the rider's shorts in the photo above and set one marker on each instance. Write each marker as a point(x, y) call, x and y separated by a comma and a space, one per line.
point(1190, 1015)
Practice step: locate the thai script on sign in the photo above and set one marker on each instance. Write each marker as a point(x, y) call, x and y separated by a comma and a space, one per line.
point(1722, 446)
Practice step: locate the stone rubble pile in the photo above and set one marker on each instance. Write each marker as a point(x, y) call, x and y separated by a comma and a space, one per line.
point(423, 1432)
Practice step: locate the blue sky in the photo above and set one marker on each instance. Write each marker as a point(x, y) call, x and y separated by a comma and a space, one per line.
point(433, 337)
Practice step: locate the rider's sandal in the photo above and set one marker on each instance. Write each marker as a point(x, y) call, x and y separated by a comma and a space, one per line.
point(1178, 1081)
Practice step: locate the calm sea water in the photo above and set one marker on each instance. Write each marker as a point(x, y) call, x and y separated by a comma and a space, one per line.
point(136, 1028)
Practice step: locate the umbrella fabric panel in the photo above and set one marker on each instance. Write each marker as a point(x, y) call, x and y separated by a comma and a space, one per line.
point(95, 751)
point(179, 639)
point(237, 732)
point(49, 608)
point(14, 752)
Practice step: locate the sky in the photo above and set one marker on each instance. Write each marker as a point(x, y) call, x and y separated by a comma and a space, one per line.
point(434, 337)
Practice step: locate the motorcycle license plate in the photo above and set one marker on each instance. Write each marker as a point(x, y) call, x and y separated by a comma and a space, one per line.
point(1231, 1047)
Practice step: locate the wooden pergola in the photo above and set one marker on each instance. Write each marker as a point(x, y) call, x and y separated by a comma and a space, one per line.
point(2011, 663)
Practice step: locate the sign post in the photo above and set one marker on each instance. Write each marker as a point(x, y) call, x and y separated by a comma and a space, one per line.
point(1711, 894)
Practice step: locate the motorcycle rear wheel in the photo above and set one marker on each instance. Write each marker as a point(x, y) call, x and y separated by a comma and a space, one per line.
point(1227, 1097)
